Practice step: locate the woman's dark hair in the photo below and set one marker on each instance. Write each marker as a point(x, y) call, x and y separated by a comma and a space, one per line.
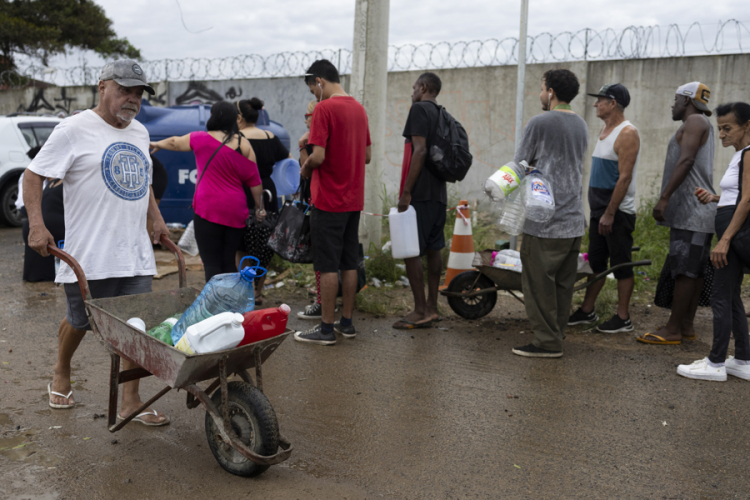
point(223, 118)
point(564, 82)
point(741, 111)
point(250, 109)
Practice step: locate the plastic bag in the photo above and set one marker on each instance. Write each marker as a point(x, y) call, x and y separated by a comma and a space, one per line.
point(291, 238)
point(187, 241)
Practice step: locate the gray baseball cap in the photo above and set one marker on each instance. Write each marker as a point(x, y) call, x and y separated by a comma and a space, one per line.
point(127, 73)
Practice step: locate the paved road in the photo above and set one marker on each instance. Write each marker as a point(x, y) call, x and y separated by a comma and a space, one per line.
point(441, 413)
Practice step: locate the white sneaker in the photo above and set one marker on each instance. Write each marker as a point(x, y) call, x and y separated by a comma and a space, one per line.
point(701, 370)
point(736, 370)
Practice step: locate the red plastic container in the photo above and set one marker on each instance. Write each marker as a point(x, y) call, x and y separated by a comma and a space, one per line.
point(262, 324)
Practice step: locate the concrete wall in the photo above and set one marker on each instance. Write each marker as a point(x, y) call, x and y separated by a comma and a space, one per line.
point(483, 99)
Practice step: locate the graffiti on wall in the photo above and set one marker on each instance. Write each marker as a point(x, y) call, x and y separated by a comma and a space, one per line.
point(200, 93)
point(57, 100)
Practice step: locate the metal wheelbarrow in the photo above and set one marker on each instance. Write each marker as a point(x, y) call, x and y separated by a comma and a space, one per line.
point(241, 425)
point(473, 294)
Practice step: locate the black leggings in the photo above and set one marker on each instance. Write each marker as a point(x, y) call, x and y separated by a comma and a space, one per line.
point(729, 312)
point(217, 245)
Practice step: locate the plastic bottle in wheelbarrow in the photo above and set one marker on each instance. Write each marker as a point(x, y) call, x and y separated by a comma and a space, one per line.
point(217, 333)
point(230, 292)
point(263, 324)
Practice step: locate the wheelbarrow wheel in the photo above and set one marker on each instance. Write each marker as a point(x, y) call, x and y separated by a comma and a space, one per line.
point(253, 420)
point(472, 307)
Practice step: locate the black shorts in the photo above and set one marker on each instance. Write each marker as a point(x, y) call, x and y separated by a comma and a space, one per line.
point(430, 225)
point(616, 247)
point(688, 252)
point(335, 240)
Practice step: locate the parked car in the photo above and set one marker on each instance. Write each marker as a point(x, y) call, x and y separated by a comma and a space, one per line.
point(176, 204)
point(18, 134)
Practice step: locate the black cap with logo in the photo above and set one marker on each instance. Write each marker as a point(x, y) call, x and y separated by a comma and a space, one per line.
point(616, 91)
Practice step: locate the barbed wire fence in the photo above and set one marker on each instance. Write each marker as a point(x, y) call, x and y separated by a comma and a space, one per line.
point(634, 42)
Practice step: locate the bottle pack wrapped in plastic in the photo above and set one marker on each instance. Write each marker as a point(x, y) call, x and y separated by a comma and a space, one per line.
point(539, 199)
point(508, 259)
point(231, 292)
point(506, 180)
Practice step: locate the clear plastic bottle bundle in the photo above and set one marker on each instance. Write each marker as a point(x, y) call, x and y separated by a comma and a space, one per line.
point(539, 199)
point(231, 292)
point(513, 213)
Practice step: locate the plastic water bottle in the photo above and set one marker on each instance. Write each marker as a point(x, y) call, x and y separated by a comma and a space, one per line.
point(163, 331)
point(217, 333)
point(506, 180)
point(231, 292)
point(539, 199)
point(513, 215)
point(404, 234)
point(138, 324)
point(61, 246)
point(263, 324)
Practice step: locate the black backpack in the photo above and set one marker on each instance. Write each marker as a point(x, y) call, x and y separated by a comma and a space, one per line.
point(449, 148)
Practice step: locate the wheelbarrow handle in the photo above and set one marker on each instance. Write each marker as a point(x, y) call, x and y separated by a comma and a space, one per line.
point(81, 276)
point(178, 255)
point(76, 267)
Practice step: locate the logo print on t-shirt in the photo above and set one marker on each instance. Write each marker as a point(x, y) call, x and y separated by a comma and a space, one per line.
point(125, 171)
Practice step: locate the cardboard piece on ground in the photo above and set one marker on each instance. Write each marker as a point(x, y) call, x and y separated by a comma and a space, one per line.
point(166, 263)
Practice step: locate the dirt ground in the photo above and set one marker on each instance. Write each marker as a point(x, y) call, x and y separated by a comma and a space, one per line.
point(443, 413)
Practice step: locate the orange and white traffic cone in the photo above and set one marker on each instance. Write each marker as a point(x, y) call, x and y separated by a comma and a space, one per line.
point(462, 244)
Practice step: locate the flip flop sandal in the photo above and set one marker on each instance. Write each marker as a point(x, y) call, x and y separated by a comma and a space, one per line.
point(647, 339)
point(408, 325)
point(138, 418)
point(51, 393)
point(692, 337)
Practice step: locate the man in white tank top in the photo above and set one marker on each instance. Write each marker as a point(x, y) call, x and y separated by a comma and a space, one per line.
point(612, 204)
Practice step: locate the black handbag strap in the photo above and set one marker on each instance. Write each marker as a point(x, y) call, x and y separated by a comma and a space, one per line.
point(212, 157)
point(739, 183)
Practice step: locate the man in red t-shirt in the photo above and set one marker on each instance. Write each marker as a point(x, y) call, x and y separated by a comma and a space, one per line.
point(341, 147)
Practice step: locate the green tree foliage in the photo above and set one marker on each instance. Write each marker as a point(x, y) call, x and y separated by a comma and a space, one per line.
point(43, 28)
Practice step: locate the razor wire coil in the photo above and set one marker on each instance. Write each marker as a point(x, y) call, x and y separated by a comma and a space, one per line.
point(633, 42)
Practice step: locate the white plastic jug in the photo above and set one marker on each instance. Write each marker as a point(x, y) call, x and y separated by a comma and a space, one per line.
point(404, 236)
point(506, 180)
point(223, 331)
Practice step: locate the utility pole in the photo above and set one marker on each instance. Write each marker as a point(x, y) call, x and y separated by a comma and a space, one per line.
point(368, 84)
point(520, 84)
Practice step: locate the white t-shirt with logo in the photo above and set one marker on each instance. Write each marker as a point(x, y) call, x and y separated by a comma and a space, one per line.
point(106, 175)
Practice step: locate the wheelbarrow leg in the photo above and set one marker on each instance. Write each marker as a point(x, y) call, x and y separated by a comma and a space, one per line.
point(258, 372)
point(113, 389)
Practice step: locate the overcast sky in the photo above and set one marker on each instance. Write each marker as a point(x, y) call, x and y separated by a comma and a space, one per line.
point(244, 27)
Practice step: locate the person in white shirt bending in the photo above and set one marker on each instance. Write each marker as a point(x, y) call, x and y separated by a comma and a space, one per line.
point(102, 157)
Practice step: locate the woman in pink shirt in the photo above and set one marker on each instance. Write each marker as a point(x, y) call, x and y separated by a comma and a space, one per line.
point(226, 162)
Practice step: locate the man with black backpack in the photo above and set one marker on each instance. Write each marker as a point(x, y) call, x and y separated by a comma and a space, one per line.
point(427, 193)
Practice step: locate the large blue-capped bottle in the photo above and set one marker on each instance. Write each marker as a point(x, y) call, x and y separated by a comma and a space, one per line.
point(231, 292)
